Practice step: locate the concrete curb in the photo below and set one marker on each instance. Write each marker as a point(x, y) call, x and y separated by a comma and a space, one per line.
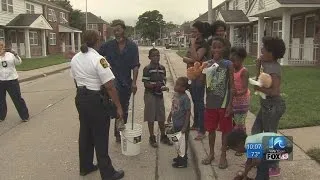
point(43, 74)
point(192, 145)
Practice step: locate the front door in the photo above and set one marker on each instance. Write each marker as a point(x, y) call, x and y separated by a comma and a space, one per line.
point(309, 33)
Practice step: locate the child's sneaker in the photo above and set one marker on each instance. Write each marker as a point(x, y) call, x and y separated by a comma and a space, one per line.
point(274, 172)
point(181, 163)
point(165, 140)
point(153, 142)
point(177, 158)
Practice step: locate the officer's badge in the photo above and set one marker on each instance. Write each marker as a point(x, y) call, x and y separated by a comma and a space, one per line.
point(104, 63)
point(4, 64)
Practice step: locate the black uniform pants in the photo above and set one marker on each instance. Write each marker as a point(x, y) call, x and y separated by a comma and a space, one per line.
point(94, 132)
point(124, 94)
point(13, 88)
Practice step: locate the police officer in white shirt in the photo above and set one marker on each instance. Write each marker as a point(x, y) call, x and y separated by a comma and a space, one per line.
point(9, 83)
point(91, 71)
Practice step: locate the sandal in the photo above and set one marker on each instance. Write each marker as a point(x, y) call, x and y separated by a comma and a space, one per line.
point(238, 154)
point(207, 161)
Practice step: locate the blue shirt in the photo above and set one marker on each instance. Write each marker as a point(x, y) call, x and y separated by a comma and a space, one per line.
point(123, 62)
point(180, 106)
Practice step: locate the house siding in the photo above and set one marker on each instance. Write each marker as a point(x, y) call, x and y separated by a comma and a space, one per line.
point(38, 9)
point(268, 4)
point(19, 7)
point(60, 37)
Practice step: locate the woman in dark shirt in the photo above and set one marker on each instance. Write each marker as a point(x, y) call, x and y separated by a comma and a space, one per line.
point(219, 28)
point(198, 51)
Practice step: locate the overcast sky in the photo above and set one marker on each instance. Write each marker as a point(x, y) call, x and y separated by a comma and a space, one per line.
point(177, 11)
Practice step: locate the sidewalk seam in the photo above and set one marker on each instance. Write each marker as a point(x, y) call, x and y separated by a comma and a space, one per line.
point(192, 146)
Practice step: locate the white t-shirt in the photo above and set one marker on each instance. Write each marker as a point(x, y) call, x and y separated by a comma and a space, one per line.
point(91, 70)
point(8, 64)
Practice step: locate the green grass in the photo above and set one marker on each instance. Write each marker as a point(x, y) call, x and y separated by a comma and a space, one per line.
point(36, 63)
point(314, 153)
point(301, 91)
point(182, 53)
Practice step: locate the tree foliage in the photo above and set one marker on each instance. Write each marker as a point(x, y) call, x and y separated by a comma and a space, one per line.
point(75, 19)
point(65, 4)
point(149, 24)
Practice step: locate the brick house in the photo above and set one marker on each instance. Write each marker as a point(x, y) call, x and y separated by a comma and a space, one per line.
point(295, 21)
point(62, 37)
point(98, 24)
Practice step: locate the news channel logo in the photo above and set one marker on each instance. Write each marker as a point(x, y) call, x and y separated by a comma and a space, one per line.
point(278, 143)
point(278, 147)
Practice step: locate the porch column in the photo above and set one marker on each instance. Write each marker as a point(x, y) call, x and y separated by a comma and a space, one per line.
point(231, 37)
point(43, 42)
point(73, 46)
point(79, 41)
point(27, 43)
point(260, 33)
point(247, 40)
point(63, 45)
point(286, 24)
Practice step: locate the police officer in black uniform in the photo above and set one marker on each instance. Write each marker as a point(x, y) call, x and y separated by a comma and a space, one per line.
point(91, 71)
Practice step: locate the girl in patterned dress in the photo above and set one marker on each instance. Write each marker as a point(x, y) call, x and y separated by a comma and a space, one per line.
point(242, 93)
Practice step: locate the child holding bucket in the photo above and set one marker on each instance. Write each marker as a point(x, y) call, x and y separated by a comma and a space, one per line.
point(154, 78)
point(180, 116)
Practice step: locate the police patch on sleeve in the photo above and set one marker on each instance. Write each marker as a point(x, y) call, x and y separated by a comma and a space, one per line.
point(104, 63)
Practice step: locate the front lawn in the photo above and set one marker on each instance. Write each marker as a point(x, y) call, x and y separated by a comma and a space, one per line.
point(36, 63)
point(301, 91)
point(314, 153)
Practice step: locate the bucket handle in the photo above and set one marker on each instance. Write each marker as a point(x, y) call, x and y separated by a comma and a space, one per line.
point(132, 111)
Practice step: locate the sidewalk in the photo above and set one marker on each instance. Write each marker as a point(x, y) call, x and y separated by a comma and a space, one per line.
point(42, 72)
point(291, 170)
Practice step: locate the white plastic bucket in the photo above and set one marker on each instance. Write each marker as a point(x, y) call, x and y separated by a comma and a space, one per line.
point(131, 139)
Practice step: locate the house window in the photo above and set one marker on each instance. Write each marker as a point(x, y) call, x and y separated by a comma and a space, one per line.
point(52, 15)
point(63, 19)
point(277, 29)
point(30, 8)
point(7, 5)
point(310, 26)
point(247, 3)
point(52, 39)
point(2, 37)
point(33, 36)
point(235, 4)
point(93, 27)
point(235, 35)
point(255, 33)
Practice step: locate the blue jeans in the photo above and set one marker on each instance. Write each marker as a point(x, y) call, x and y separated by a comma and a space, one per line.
point(197, 93)
point(124, 93)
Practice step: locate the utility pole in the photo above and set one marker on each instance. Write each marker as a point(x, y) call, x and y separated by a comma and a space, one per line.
point(86, 14)
point(160, 36)
point(210, 13)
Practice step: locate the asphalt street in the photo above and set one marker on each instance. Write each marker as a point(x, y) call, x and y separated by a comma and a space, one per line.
point(46, 147)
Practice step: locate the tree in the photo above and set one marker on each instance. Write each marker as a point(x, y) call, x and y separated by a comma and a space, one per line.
point(129, 31)
point(75, 19)
point(149, 24)
point(65, 4)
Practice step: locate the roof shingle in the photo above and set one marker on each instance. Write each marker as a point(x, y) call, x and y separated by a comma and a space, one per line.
point(23, 20)
point(234, 16)
point(93, 18)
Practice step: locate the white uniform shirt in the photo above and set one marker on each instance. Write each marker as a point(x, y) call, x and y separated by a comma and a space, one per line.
point(91, 70)
point(8, 64)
